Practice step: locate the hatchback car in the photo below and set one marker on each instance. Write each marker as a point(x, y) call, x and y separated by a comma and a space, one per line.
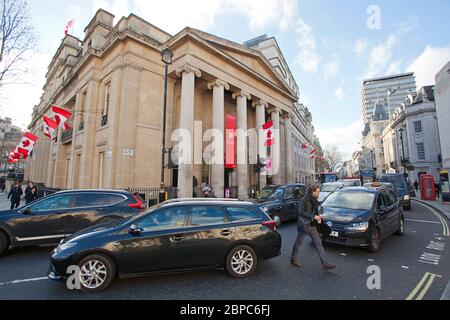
point(363, 216)
point(175, 236)
point(48, 220)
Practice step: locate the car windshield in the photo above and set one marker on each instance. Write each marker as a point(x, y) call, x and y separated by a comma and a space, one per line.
point(277, 194)
point(266, 193)
point(329, 187)
point(398, 181)
point(350, 200)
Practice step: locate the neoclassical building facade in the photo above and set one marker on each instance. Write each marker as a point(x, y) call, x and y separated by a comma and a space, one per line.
point(113, 82)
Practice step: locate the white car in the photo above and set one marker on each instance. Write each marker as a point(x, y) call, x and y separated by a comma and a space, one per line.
point(351, 182)
point(328, 188)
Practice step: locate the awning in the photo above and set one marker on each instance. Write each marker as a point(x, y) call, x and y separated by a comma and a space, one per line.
point(444, 171)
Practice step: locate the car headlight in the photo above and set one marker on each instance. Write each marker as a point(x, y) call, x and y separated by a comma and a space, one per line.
point(359, 226)
point(65, 246)
point(406, 197)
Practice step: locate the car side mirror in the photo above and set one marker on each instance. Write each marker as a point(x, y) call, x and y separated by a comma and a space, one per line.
point(136, 230)
point(27, 211)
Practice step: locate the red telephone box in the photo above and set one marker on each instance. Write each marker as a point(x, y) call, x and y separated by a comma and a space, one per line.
point(427, 189)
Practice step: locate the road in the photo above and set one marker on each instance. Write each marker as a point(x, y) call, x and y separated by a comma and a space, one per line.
point(408, 270)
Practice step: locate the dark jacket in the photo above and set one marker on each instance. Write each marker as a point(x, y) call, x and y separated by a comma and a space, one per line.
point(29, 195)
point(15, 193)
point(308, 208)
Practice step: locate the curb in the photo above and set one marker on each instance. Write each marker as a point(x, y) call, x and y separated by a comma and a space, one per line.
point(446, 293)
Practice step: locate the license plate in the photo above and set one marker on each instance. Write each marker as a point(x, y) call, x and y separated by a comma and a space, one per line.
point(334, 234)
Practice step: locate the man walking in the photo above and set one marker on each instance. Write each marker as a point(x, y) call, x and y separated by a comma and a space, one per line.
point(30, 192)
point(416, 185)
point(14, 195)
point(308, 217)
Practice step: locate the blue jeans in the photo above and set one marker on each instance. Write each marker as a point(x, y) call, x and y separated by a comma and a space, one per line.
point(315, 237)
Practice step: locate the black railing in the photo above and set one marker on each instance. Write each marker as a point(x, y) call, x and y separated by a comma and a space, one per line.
point(66, 136)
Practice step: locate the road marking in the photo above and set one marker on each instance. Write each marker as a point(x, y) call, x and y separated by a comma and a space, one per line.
point(23, 281)
point(430, 258)
point(445, 229)
point(371, 260)
point(424, 221)
point(405, 267)
point(343, 254)
point(430, 277)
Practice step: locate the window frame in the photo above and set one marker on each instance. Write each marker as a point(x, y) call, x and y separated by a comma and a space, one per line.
point(418, 125)
point(147, 216)
point(422, 152)
point(229, 216)
point(50, 198)
point(226, 219)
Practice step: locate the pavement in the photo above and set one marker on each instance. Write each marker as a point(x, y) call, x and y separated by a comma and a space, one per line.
point(413, 267)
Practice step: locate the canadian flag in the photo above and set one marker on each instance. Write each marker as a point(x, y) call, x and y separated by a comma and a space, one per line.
point(26, 144)
point(61, 116)
point(49, 127)
point(68, 27)
point(304, 146)
point(313, 151)
point(268, 134)
point(13, 156)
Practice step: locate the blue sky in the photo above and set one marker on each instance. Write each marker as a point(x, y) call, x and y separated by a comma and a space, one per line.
point(327, 44)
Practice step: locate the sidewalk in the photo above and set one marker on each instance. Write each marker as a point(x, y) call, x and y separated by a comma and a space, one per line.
point(4, 202)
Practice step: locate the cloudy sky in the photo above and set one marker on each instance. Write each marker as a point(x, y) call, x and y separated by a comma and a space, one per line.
point(330, 45)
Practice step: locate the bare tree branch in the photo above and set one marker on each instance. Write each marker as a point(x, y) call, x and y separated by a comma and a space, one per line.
point(334, 157)
point(16, 39)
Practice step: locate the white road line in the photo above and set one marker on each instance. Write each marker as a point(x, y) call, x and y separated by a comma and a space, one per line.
point(405, 267)
point(343, 254)
point(424, 221)
point(23, 281)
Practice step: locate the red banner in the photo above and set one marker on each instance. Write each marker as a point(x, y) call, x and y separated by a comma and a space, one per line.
point(230, 142)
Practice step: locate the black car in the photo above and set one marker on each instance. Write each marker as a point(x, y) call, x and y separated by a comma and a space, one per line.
point(400, 186)
point(283, 202)
point(50, 219)
point(362, 216)
point(175, 236)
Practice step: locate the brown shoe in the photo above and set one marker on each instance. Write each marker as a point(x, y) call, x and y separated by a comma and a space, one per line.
point(295, 263)
point(329, 266)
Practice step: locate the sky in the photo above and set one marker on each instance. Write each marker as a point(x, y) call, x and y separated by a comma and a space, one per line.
point(330, 46)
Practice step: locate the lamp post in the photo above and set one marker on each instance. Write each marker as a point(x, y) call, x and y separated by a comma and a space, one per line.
point(167, 56)
point(401, 130)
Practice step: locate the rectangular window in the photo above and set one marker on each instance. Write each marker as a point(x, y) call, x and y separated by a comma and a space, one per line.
point(82, 111)
point(418, 126)
point(105, 109)
point(420, 151)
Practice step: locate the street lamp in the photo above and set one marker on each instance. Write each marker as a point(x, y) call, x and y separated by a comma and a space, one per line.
point(401, 130)
point(389, 93)
point(166, 55)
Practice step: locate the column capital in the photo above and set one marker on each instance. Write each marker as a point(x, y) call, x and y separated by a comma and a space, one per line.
point(275, 110)
point(188, 68)
point(286, 115)
point(241, 93)
point(218, 83)
point(260, 102)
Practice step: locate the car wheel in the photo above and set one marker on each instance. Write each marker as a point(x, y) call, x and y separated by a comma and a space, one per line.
point(241, 262)
point(4, 243)
point(375, 240)
point(401, 229)
point(97, 271)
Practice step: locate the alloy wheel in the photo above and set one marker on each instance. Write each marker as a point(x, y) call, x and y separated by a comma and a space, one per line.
point(242, 262)
point(93, 274)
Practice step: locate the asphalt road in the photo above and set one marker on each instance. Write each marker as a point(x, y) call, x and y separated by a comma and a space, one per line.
point(407, 271)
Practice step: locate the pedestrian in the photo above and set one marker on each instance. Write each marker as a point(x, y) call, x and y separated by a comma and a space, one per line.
point(308, 216)
point(416, 185)
point(3, 185)
point(437, 188)
point(30, 196)
point(208, 192)
point(14, 195)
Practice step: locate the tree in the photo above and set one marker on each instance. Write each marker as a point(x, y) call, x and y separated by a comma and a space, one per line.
point(334, 157)
point(16, 39)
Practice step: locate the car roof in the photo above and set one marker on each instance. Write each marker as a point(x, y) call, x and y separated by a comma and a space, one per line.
point(93, 191)
point(210, 201)
point(361, 189)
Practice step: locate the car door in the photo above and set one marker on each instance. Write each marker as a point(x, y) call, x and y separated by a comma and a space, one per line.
point(289, 204)
point(396, 211)
point(390, 213)
point(160, 246)
point(210, 236)
point(84, 211)
point(381, 213)
point(43, 221)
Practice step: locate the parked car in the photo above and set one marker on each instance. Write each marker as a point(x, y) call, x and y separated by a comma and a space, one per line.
point(350, 182)
point(363, 216)
point(266, 192)
point(327, 188)
point(50, 219)
point(282, 204)
point(400, 185)
point(174, 236)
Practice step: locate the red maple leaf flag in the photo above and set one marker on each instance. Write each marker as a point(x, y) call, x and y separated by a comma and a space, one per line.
point(268, 133)
point(61, 116)
point(304, 146)
point(312, 151)
point(49, 127)
point(68, 27)
point(26, 145)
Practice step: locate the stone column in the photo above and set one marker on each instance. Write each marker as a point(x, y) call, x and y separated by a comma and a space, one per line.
point(218, 123)
point(288, 148)
point(261, 106)
point(275, 152)
point(185, 171)
point(242, 150)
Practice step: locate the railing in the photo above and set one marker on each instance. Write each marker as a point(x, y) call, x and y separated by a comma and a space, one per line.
point(66, 136)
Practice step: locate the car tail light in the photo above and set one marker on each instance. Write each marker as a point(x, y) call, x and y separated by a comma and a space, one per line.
point(138, 204)
point(270, 224)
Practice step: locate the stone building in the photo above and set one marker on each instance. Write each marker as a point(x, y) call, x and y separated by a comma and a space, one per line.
point(10, 136)
point(113, 82)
